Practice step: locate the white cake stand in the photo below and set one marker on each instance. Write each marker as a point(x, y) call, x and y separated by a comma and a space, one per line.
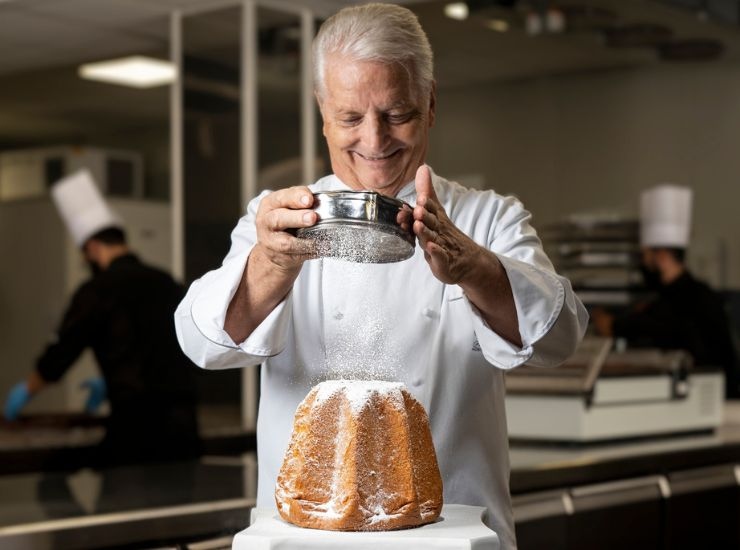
point(458, 528)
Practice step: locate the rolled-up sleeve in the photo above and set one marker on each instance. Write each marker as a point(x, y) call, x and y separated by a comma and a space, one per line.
point(552, 320)
point(200, 317)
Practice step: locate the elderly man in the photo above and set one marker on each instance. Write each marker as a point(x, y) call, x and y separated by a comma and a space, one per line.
point(479, 295)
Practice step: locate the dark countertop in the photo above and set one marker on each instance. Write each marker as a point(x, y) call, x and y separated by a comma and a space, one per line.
point(157, 503)
point(536, 467)
point(66, 442)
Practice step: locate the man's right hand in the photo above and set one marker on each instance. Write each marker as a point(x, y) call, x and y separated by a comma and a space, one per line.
point(275, 260)
point(18, 396)
point(279, 213)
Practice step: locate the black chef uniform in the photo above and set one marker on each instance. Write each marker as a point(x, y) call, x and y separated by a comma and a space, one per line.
point(124, 314)
point(687, 315)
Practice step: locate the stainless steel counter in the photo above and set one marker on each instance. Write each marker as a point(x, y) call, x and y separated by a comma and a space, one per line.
point(153, 504)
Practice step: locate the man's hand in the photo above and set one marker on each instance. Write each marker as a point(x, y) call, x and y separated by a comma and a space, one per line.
point(274, 262)
point(98, 393)
point(455, 258)
point(278, 214)
point(20, 394)
point(449, 252)
point(18, 397)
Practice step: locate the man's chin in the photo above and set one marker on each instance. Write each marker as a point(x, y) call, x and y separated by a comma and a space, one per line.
point(383, 183)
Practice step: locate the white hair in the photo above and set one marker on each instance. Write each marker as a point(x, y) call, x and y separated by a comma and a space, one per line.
point(385, 33)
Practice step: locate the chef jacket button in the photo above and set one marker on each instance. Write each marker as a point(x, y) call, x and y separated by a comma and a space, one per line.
point(429, 312)
point(339, 316)
point(416, 382)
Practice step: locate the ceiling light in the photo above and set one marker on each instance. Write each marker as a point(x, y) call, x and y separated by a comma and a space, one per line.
point(135, 71)
point(457, 10)
point(498, 25)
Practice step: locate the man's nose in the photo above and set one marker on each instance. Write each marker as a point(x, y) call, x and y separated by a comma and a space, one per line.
point(375, 133)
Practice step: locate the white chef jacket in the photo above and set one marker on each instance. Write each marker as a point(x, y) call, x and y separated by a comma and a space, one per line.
point(435, 340)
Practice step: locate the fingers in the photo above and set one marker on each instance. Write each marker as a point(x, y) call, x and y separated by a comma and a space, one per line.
point(285, 243)
point(405, 218)
point(293, 197)
point(427, 210)
point(286, 209)
point(424, 234)
point(282, 219)
point(424, 188)
point(423, 181)
point(279, 214)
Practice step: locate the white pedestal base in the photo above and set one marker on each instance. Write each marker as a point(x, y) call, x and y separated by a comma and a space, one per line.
point(458, 528)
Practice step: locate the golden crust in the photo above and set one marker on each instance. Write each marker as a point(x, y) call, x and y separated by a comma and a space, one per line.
point(361, 458)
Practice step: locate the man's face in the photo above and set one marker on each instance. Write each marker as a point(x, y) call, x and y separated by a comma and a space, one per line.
point(650, 269)
point(376, 126)
point(648, 258)
point(89, 253)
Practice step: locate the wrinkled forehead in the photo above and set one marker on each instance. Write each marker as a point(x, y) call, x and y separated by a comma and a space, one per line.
point(346, 77)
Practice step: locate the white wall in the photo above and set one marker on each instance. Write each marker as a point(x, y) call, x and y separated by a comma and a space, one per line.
point(591, 142)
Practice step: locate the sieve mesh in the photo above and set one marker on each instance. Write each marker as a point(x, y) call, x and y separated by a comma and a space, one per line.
point(359, 242)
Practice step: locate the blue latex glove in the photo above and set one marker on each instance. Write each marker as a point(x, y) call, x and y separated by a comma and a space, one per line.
point(98, 392)
point(17, 398)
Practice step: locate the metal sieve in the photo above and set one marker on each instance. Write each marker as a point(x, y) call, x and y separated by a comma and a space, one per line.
point(359, 226)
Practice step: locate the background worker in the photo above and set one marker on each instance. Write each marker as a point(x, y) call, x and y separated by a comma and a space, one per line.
point(124, 314)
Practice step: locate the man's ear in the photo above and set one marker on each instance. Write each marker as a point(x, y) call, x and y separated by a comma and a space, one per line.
point(321, 111)
point(432, 103)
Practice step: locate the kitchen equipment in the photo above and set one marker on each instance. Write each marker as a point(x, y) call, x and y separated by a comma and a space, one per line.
point(601, 394)
point(360, 226)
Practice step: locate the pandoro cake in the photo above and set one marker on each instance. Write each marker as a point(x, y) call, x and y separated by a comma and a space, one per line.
point(360, 458)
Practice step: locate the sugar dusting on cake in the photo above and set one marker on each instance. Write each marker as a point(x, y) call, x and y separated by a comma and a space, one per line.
point(358, 392)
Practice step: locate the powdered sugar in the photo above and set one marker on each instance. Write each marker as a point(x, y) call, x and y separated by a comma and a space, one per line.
point(361, 336)
point(358, 392)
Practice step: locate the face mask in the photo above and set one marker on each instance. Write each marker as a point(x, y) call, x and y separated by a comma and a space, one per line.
point(94, 268)
point(651, 277)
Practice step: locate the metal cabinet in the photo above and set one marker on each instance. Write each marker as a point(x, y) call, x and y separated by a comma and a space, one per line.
point(686, 509)
point(703, 510)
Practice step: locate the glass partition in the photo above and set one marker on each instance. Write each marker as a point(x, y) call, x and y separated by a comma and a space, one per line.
point(211, 170)
point(279, 161)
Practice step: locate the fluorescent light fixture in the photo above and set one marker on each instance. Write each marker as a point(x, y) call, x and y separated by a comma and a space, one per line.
point(457, 10)
point(498, 25)
point(135, 71)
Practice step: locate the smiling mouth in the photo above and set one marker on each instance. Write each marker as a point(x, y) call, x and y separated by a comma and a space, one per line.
point(378, 158)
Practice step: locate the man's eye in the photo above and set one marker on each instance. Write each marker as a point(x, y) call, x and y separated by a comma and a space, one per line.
point(400, 118)
point(350, 121)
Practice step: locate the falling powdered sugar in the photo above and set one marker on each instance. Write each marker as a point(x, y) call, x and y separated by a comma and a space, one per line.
point(363, 341)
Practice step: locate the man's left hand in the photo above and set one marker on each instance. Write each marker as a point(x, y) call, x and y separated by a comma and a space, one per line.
point(603, 321)
point(448, 251)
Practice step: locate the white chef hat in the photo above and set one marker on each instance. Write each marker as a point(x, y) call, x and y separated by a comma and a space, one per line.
point(665, 216)
point(82, 207)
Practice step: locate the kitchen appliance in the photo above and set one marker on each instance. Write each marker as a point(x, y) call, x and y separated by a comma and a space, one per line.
point(604, 394)
point(28, 173)
point(360, 226)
